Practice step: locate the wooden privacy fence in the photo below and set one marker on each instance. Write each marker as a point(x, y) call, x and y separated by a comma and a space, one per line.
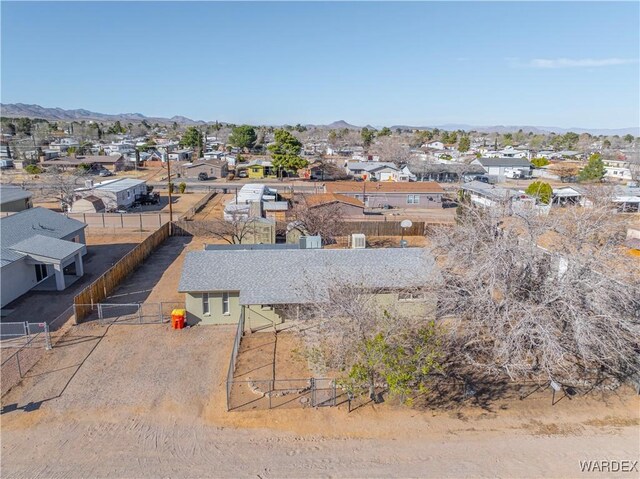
point(102, 287)
point(383, 228)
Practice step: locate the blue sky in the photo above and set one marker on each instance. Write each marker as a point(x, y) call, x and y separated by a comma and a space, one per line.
point(546, 63)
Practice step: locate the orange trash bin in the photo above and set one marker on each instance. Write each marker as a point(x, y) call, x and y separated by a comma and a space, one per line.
point(178, 318)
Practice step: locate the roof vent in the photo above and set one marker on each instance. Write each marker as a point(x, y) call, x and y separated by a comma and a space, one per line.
point(358, 241)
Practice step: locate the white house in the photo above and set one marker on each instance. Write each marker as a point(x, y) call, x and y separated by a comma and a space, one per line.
point(117, 193)
point(39, 248)
point(505, 167)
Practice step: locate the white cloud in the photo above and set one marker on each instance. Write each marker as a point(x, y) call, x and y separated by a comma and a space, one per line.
point(578, 63)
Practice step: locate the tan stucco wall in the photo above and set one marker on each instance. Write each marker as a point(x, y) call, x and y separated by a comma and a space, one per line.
point(193, 304)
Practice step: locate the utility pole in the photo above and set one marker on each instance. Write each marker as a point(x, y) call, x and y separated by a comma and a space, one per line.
point(169, 187)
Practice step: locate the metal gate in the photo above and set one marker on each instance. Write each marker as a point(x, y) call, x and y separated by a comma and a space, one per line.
point(119, 313)
point(323, 392)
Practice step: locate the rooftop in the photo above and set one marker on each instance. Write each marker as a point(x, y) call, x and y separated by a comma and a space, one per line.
point(299, 276)
point(33, 222)
point(327, 198)
point(508, 162)
point(9, 193)
point(384, 187)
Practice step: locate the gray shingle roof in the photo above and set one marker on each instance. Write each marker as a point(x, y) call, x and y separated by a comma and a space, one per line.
point(12, 193)
point(48, 247)
point(505, 162)
point(31, 222)
point(302, 276)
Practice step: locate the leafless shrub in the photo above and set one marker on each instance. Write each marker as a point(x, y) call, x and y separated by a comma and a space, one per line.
point(542, 297)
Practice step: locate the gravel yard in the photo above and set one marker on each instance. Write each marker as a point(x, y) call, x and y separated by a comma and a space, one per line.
point(147, 401)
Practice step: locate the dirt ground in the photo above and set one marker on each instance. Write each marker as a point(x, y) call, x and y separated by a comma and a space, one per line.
point(147, 401)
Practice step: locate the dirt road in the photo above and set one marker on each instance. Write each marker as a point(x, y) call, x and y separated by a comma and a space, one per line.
point(146, 401)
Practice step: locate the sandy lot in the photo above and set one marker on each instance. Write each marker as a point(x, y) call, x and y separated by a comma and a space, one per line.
point(147, 401)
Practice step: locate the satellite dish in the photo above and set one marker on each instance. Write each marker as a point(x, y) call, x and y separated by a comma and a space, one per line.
point(406, 224)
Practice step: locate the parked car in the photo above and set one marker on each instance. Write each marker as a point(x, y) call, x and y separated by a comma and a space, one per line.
point(243, 174)
point(203, 176)
point(105, 173)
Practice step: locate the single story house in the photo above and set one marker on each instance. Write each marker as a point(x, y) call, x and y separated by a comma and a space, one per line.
point(489, 196)
point(448, 172)
point(14, 199)
point(39, 248)
point(112, 163)
point(379, 170)
point(116, 193)
point(181, 155)
point(258, 169)
point(349, 206)
point(505, 167)
point(421, 194)
point(223, 285)
point(205, 169)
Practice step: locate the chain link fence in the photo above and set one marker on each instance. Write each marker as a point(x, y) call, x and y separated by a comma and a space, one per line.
point(131, 313)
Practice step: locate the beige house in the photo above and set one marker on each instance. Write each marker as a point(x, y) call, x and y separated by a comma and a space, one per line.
point(264, 283)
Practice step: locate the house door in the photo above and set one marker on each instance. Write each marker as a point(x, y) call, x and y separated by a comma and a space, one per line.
point(41, 272)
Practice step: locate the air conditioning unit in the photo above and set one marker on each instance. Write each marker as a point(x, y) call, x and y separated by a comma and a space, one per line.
point(358, 241)
point(310, 242)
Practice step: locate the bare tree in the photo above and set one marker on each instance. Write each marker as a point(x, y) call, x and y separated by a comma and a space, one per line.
point(392, 148)
point(61, 186)
point(326, 220)
point(366, 335)
point(540, 297)
point(235, 230)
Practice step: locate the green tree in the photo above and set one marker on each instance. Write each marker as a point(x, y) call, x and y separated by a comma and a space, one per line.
point(594, 171)
point(33, 169)
point(606, 144)
point(285, 152)
point(570, 140)
point(384, 132)
point(182, 187)
point(243, 136)
point(628, 138)
point(367, 137)
point(539, 162)
point(192, 138)
point(464, 145)
point(540, 190)
point(403, 362)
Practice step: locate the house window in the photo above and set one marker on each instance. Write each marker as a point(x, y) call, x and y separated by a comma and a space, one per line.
point(410, 296)
point(41, 272)
point(225, 303)
point(128, 194)
point(205, 304)
point(413, 199)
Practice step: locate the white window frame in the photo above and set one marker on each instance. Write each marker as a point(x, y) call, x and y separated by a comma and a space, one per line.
point(226, 310)
point(206, 307)
point(413, 199)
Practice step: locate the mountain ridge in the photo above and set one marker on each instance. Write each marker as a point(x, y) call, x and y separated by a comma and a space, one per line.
point(21, 110)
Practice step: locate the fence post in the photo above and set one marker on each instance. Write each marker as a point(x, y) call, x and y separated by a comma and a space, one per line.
point(18, 361)
point(26, 329)
point(47, 337)
point(100, 312)
point(121, 220)
point(313, 392)
point(139, 314)
point(140, 216)
point(103, 224)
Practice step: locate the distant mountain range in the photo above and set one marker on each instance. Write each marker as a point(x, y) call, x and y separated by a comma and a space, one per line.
point(20, 110)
